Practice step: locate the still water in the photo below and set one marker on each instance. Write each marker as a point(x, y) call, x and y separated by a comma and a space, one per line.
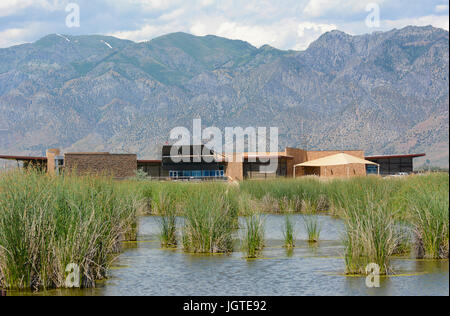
point(145, 269)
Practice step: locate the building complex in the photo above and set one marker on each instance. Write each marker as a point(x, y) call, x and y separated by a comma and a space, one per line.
point(198, 162)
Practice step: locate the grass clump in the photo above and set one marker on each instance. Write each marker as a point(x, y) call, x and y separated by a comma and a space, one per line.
point(423, 202)
point(371, 237)
point(47, 223)
point(167, 221)
point(209, 224)
point(289, 233)
point(312, 227)
point(430, 219)
point(253, 238)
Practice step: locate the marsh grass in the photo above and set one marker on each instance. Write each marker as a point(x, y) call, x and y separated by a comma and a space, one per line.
point(423, 202)
point(404, 242)
point(253, 236)
point(308, 207)
point(371, 237)
point(210, 221)
point(431, 226)
point(312, 227)
point(286, 205)
point(289, 232)
point(417, 202)
point(49, 222)
point(167, 221)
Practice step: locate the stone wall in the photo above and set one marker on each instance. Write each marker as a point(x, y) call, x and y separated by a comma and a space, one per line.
point(115, 165)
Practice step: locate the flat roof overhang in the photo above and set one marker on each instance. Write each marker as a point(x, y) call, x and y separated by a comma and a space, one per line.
point(23, 158)
point(97, 154)
point(267, 157)
point(395, 156)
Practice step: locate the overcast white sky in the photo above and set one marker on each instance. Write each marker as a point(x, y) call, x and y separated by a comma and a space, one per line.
point(285, 24)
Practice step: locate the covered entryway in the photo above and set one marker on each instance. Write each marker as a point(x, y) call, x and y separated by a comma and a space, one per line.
point(339, 165)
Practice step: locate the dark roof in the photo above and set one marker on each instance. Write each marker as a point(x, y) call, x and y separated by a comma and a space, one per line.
point(22, 158)
point(149, 161)
point(396, 156)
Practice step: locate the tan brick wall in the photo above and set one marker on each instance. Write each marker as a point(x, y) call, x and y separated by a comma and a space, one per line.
point(116, 165)
point(51, 154)
point(300, 156)
point(235, 169)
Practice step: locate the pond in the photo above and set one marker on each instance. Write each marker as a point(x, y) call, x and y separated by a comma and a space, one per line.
point(146, 269)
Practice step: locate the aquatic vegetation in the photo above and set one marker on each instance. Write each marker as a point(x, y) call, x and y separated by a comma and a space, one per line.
point(289, 193)
point(268, 204)
point(286, 205)
point(48, 223)
point(312, 227)
point(307, 207)
point(404, 243)
point(253, 236)
point(289, 232)
point(423, 204)
point(209, 224)
point(167, 221)
point(371, 236)
point(405, 198)
point(431, 225)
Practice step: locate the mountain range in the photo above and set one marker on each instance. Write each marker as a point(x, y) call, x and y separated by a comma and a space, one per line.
point(385, 92)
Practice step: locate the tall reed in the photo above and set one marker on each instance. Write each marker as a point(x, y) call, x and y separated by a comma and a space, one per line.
point(431, 225)
point(423, 202)
point(253, 236)
point(47, 223)
point(209, 223)
point(289, 232)
point(168, 220)
point(371, 236)
point(312, 227)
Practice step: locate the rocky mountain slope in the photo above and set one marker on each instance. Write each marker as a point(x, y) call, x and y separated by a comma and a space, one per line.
point(385, 92)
